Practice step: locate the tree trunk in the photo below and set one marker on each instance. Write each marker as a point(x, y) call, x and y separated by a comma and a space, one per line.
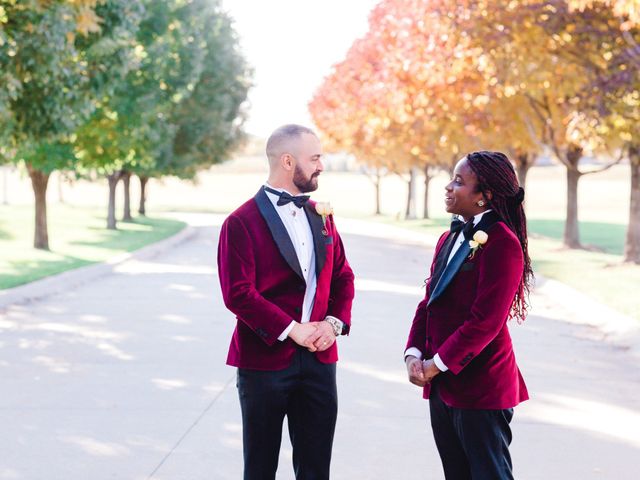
point(377, 186)
point(39, 182)
point(113, 180)
point(571, 231)
point(5, 185)
point(632, 243)
point(427, 181)
point(452, 165)
point(126, 180)
point(524, 162)
point(407, 211)
point(143, 195)
point(60, 192)
point(410, 212)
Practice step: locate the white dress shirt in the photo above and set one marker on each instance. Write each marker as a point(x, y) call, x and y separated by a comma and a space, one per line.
point(297, 224)
point(459, 241)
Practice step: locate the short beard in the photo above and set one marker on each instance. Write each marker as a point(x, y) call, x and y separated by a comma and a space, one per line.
point(305, 184)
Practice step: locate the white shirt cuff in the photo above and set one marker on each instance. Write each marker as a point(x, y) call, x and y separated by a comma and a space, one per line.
point(439, 363)
point(283, 336)
point(413, 351)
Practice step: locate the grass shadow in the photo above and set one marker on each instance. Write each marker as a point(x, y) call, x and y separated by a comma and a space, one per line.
point(608, 237)
point(4, 232)
point(80, 241)
point(37, 269)
point(130, 235)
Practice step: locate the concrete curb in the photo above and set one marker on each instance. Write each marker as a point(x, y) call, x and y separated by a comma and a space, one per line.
point(64, 281)
point(615, 327)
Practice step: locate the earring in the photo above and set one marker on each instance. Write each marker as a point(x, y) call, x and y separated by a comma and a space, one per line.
point(481, 203)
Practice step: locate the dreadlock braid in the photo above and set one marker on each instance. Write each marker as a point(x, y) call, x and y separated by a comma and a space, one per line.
point(496, 174)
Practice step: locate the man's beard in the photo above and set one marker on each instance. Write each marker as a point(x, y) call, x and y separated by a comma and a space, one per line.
point(305, 184)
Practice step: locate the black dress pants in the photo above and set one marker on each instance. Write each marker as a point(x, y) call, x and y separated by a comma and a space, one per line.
point(305, 392)
point(473, 444)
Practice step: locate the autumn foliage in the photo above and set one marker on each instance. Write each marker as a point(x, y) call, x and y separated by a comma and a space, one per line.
point(434, 79)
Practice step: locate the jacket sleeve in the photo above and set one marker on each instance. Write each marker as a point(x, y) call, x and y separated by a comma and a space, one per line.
point(418, 332)
point(237, 272)
point(342, 289)
point(500, 270)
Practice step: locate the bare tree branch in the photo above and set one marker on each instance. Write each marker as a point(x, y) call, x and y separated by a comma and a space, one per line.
point(607, 166)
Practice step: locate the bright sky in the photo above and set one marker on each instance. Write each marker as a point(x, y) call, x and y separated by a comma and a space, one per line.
point(292, 45)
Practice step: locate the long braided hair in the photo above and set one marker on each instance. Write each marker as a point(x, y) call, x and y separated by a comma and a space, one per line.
point(496, 174)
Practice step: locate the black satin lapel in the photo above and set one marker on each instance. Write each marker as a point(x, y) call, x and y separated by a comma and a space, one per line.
point(315, 222)
point(446, 273)
point(278, 231)
point(450, 271)
point(441, 259)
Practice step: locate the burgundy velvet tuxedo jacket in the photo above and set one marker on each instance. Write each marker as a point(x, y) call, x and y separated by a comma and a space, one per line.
point(263, 285)
point(463, 318)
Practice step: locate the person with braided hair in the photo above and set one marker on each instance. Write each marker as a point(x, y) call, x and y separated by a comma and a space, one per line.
point(459, 348)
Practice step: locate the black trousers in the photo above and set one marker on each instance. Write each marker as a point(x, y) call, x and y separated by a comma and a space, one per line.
point(473, 444)
point(305, 392)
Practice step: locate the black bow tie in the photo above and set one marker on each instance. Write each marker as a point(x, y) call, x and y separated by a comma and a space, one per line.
point(459, 225)
point(285, 198)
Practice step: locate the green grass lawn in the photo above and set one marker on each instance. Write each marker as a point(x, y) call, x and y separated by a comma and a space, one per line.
point(77, 237)
point(599, 274)
point(606, 237)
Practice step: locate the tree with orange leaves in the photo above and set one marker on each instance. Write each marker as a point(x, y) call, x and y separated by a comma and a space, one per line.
point(404, 91)
point(547, 60)
point(343, 105)
point(456, 76)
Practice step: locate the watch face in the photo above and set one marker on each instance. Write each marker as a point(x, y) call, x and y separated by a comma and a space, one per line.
point(334, 326)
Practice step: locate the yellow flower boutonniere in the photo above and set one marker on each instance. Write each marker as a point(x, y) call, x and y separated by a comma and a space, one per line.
point(479, 239)
point(324, 209)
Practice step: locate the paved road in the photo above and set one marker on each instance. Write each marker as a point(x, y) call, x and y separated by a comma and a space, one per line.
point(124, 378)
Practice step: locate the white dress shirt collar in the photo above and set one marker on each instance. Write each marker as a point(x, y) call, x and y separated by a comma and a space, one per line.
point(476, 218)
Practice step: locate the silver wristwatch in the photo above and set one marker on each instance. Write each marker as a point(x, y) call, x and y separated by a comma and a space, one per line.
point(335, 324)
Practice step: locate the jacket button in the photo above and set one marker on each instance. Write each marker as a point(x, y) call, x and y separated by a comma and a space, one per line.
point(302, 288)
point(297, 309)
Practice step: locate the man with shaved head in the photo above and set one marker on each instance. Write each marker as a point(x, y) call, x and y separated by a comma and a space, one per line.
point(285, 277)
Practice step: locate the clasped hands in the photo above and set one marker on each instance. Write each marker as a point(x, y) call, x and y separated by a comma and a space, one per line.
point(421, 372)
point(315, 336)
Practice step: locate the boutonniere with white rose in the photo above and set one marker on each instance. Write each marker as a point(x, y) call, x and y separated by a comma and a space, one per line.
point(324, 209)
point(479, 239)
